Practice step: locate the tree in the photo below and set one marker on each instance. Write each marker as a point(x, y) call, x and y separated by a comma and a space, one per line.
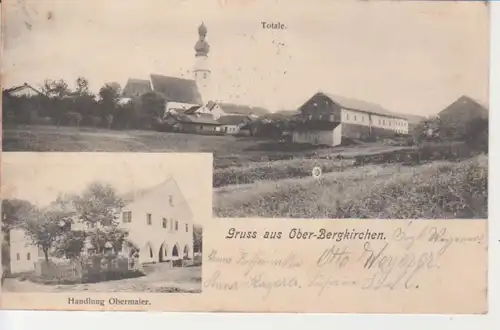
point(56, 91)
point(70, 244)
point(197, 239)
point(83, 100)
point(82, 86)
point(476, 134)
point(109, 234)
point(46, 227)
point(14, 212)
point(153, 104)
point(98, 209)
point(109, 96)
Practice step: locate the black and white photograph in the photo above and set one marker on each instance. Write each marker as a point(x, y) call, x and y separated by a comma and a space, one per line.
point(364, 115)
point(102, 223)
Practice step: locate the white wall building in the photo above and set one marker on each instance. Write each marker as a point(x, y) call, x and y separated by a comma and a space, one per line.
point(158, 219)
point(325, 119)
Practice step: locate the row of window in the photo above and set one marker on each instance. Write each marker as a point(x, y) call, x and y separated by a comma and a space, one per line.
point(323, 117)
point(381, 122)
point(355, 117)
point(28, 256)
point(173, 224)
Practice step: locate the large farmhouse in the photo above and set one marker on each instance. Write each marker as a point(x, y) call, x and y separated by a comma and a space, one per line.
point(158, 220)
point(325, 119)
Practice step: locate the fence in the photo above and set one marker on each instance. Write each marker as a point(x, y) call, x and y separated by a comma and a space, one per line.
point(94, 268)
point(70, 271)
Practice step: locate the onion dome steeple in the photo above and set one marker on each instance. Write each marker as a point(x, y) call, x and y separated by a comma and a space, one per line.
point(202, 47)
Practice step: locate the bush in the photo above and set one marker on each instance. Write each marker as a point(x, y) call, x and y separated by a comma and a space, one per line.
point(277, 170)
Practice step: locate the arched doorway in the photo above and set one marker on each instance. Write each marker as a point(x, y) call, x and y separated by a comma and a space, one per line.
point(175, 251)
point(185, 254)
point(163, 252)
point(146, 254)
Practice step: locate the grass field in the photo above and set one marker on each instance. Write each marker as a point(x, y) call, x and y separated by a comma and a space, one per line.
point(254, 177)
point(435, 190)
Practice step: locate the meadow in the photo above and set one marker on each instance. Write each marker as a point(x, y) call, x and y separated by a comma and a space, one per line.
point(257, 178)
point(439, 189)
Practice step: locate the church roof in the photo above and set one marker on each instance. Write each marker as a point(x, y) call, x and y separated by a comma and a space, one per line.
point(136, 87)
point(176, 89)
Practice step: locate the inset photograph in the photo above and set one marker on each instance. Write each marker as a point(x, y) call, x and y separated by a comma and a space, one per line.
point(103, 222)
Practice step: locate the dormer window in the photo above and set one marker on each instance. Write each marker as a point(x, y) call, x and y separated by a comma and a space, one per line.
point(149, 219)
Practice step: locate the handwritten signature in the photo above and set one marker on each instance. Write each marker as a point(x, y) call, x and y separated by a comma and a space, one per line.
point(398, 263)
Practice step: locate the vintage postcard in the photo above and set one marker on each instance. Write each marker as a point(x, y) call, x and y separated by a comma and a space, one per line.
point(344, 144)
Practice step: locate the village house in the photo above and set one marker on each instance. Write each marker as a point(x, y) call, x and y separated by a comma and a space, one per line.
point(235, 124)
point(158, 220)
point(22, 101)
point(326, 119)
point(200, 123)
point(211, 108)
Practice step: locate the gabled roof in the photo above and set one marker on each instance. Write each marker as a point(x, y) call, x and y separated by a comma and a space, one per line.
point(358, 105)
point(209, 106)
point(464, 109)
point(169, 186)
point(176, 89)
point(17, 89)
point(234, 120)
point(192, 110)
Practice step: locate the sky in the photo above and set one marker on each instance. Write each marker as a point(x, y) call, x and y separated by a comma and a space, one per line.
point(410, 57)
point(41, 177)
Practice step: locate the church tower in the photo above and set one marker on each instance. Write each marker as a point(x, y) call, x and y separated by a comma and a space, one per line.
point(201, 66)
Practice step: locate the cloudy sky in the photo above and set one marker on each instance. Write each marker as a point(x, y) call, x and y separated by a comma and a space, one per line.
point(411, 57)
point(40, 177)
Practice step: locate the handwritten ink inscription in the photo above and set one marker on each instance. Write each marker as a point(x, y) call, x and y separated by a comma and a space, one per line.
point(402, 261)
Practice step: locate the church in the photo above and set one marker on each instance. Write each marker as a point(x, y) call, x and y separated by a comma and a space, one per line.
point(179, 93)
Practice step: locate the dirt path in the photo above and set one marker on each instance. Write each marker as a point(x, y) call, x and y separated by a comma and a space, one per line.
point(162, 279)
